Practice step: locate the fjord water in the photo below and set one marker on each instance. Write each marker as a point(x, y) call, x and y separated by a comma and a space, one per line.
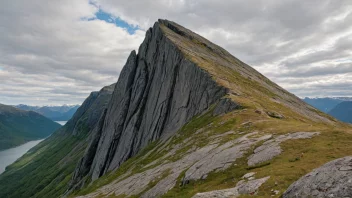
point(61, 122)
point(9, 156)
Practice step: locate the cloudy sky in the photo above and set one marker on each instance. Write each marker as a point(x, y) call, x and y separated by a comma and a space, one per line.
point(57, 52)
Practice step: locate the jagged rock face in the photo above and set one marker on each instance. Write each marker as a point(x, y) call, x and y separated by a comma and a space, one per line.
point(333, 179)
point(84, 164)
point(158, 91)
point(88, 114)
point(89, 117)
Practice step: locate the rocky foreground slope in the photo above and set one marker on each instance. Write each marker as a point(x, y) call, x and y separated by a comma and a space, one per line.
point(333, 179)
point(186, 119)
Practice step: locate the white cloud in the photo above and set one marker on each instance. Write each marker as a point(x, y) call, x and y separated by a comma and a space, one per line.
point(49, 53)
point(279, 38)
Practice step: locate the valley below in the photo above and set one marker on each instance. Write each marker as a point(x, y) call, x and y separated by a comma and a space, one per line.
point(9, 156)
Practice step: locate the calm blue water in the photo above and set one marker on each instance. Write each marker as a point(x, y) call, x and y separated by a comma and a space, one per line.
point(61, 122)
point(9, 156)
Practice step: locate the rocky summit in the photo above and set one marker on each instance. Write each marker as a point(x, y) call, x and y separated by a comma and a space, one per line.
point(185, 119)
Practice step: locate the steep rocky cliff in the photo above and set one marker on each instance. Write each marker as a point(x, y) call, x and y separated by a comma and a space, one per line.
point(333, 179)
point(159, 90)
point(176, 77)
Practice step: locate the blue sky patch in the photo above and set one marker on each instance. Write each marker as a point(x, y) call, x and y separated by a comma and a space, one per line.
point(107, 17)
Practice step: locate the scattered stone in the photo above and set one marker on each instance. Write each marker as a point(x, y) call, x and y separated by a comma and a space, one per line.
point(275, 115)
point(249, 123)
point(258, 111)
point(242, 187)
point(248, 175)
point(333, 179)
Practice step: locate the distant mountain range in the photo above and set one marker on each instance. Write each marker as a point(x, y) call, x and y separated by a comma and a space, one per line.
point(339, 107)
point(343, 111)
point(55, 113)
point(19, 126)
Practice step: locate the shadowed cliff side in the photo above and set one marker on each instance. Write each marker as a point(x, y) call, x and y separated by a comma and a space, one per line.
point(159, 90)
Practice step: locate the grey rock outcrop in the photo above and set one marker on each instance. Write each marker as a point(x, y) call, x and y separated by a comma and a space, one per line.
point(241, 188)
point(334, 179)
point(159, 90)
point(222, 157)
point(197, 163)
point(271, 148)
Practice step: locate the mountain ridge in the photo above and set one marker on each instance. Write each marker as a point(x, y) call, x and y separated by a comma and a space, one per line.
point(55, 113)
point(325, 104)
point(164, 32)
point(185, 117)
point(205, 52)
point(343, 111)
point(144, 100)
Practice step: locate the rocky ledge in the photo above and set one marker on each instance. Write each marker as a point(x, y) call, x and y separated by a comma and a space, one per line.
point(242, 188)
point(333, 179)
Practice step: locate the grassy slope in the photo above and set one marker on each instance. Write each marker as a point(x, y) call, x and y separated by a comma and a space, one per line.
point(332, 143)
